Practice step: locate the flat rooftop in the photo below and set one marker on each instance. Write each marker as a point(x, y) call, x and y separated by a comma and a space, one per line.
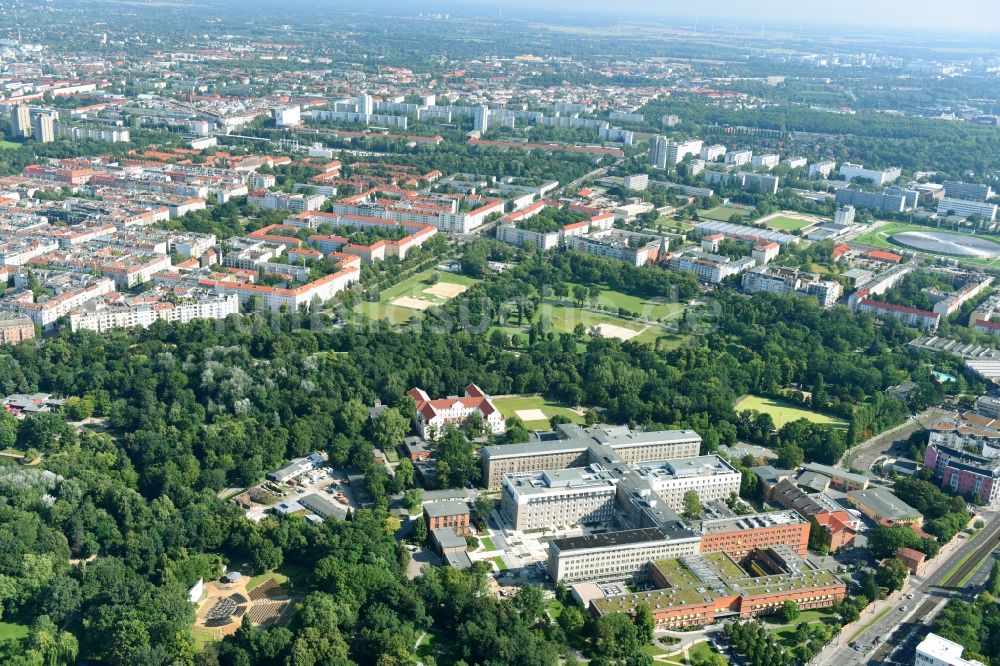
point(741, 523)
point(622, 538)
point(574, 438)
point(560, 480)
point(684, 468)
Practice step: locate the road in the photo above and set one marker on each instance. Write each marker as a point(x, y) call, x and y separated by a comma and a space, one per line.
point(864, 455)
point(596, 173)
point(895, 632)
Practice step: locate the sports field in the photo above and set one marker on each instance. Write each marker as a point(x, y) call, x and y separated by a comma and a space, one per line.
point(721, 213)
point(534, 410)
point(880, 238)
point(646, 308)
point(785, 223)
point(784, 412)
point(563, 316)
point(417, 293)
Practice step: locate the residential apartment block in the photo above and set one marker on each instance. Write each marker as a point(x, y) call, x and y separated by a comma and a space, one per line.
point(985, 211)
point(283, 201)
point(909, 316)
point(965, 464)
point(634, 249)
point(779, 280)
point(710, 268)
point(967, 191)
point(849, 172)
point(15, 328)
point(123, 311)
point(822, 169)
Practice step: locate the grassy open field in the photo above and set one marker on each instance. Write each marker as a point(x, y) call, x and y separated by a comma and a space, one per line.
point(784, 223)
point(702, 651)
point(509, 407)
point(257, 581)
point(9, 145)
point(11, 632)
point(721, 213)
point(647, 308)
point(564, 315)
point(880, 237)
point(414, 287)
point(784, 412)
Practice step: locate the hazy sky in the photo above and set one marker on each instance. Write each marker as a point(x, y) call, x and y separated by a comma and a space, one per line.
point(965, 15)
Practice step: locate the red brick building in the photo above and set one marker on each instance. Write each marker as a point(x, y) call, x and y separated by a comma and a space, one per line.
point(738, 537)
point(769, 579)
point(454, 514)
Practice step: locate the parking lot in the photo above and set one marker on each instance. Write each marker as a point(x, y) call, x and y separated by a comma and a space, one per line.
point(331, 484)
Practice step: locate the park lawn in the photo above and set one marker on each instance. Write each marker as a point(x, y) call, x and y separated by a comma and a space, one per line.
point(12, 632)
point(784, 412)
point(9, 145)
point(292, 576)
point(655, 651)
point(721, 213)
point(783, 223)
point(821, 615)
point(257, 581)
point(510, 406)
point(413, 287)
point(646, 308)
point(702, 651)
point(202, 636)
point(880, 237)
point(564, 318)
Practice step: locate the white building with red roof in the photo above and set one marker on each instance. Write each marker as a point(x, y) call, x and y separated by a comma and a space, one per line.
point(434, 415)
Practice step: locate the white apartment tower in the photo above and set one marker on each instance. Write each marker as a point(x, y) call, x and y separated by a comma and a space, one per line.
point(366, 105)
point(20, 120)
point(43, 128)
point(482, 119)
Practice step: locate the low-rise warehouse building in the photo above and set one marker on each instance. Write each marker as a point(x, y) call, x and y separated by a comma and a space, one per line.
point(884, 508)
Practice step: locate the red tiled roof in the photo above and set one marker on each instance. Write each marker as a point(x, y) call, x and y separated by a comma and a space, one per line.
point(881, 255)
